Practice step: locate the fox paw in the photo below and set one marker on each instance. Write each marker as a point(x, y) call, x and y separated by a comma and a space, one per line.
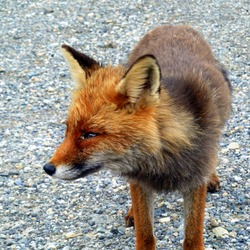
point(214, 184)
point(129, 218)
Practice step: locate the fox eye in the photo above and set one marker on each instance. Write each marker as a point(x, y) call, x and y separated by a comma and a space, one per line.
point(88, 135)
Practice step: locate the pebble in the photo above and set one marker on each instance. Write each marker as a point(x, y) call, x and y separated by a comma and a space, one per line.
point(233, 145)
point(220, 232)
point(164, 220)
point(51, 246)
point(2, 236)
point(66, 248)
point(50, 211)
point(70, 235)
point(213, 222)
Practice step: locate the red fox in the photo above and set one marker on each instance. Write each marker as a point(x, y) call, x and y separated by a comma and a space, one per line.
point(155, 121)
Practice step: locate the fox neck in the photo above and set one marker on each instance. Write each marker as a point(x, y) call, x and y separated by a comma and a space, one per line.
point(177, 135)
point(177, 127)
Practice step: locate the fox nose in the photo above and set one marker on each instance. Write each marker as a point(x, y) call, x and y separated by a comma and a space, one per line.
point(49, 168)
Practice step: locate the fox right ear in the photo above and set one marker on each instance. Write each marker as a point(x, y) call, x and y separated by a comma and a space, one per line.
point(81, 66)
point(141, 81)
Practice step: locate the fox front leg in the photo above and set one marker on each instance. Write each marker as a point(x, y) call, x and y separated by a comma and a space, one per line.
point(141, 213)
point(194, 208)
point(214, 183)
point(129, 218)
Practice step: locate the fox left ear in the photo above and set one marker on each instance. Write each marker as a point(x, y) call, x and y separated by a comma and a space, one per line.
point(142, 81)
point(81, 66)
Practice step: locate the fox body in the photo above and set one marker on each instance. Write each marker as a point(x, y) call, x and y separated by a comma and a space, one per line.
point(155, 120)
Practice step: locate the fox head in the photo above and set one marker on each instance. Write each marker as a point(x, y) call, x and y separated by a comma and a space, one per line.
point(112, 118)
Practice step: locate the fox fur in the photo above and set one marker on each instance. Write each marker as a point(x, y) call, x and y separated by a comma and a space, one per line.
point(155, 120)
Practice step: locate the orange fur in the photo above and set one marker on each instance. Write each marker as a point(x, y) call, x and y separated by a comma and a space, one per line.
point(194, 206)
point(143, 217)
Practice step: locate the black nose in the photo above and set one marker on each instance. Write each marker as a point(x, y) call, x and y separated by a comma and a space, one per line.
point(49, 168)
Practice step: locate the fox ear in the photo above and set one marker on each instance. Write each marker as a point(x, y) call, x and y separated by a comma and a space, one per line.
point(81, 66)
point(142, 81)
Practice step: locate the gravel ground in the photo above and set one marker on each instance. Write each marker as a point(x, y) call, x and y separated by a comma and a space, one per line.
point(37, 212)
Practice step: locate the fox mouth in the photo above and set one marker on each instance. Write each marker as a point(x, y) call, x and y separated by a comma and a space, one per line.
point(70, 172)
point(84, 171)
